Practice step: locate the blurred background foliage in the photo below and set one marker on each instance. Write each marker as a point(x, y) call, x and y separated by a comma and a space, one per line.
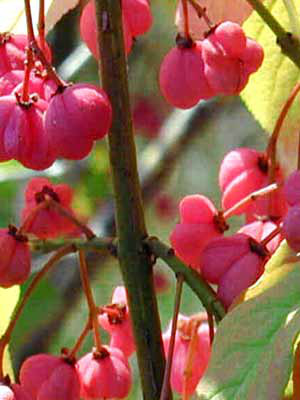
point(184, 148)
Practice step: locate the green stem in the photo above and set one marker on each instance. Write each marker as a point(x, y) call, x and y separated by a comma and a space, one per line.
point(135, 263)
point(97, 244)
point(194, 280)
point(289, 44)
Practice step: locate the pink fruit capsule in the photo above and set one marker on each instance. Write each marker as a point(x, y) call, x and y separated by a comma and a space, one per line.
point(259, 230)
point(106, 375)
point(138, 14)
point(20, 393)
point(181, 77)
point(234, 263)
point(200, 357)
point(116, 320)
point(291, 227)
point(231, 37)
point(197, 227)
point(219, 255)
point(47, 377)
point(9, 81)
point(23, 135)
point(225, 75)
point(47, 222)
point(12, 52)
point(15, 259)
point(291, 188)
point(242, 172)
point(76, 117)
point(253, 56)
point(243, 273)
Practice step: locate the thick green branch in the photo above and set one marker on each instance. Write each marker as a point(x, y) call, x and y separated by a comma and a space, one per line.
point(135, 263)
point(289, 44)
point(201, 288)
point(96, 244)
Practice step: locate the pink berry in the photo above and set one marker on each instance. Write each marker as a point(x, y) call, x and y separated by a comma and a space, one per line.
point(19, 392)
point(23, 135)
point(234, 263)
point(227, 55)
point(76, 117)
point(115, 319)
point(104, 375)
point(182, 342)
point(292, 188)
point(291, 227)
point(253, 56)
point(219, 255)
point(45, 88)
point(48, 377)
point(238, 161)
point(138, 14)
point(231, 37)
point(224, 74)
point(259, 230)
point(47, 222)
point(88, 30)
point(9, 81)
point(12, 52)
point(243, 273)
point(242, 172)
point(195, 230)
point(181, 77)
point(15, 260)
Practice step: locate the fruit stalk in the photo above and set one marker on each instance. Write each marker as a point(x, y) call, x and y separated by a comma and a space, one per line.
point(135, 262)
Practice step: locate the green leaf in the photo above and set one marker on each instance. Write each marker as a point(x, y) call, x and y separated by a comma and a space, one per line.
point(252, 354)
point(8, 300)
point(269, 88)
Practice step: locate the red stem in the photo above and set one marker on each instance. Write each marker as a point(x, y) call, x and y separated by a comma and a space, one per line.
point(41, 25)
point(30, 30)
point(271, 149)
point(271, 236)
point(186, 18)
point(26, 82)
point(90, 299)
point(88, 326)
point(251, 197)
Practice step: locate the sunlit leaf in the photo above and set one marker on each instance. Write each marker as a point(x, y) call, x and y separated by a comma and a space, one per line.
point(252, 353)
point(8, 301)
point(269, 88)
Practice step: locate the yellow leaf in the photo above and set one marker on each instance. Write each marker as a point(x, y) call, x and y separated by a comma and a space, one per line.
point(8, 300)
point(269, 88)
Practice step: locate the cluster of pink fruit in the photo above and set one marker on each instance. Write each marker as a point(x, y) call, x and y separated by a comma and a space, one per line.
point(39, 218)
point(106, 373)
point(137, 20)
point(219, 64)
point(43, 119)
point(235, 262)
